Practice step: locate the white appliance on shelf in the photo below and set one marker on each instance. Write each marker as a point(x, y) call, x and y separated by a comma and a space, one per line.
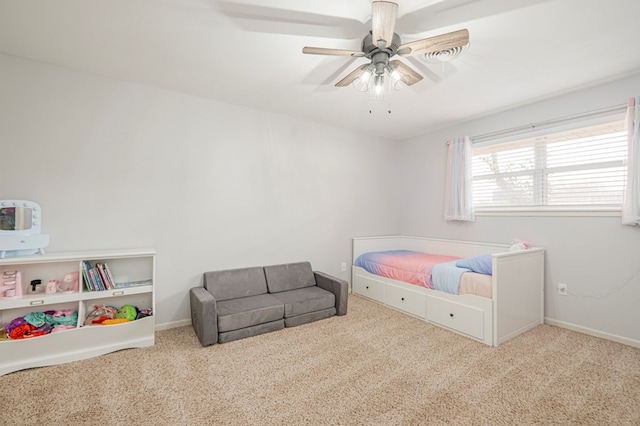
point(20, 228)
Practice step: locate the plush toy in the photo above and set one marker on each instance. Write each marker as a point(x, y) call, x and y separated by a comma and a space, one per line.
point(114, 321)
point(142, 313)
point(517, 245)
point(99, 314)
point(127, 311)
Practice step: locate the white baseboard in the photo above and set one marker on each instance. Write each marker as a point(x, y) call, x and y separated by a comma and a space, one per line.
point(174, 324)
point(592, 332)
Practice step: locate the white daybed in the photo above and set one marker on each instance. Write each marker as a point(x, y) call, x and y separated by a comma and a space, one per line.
point(517, 302)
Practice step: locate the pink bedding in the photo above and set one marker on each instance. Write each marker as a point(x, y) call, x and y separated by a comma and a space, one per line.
point(411, 267)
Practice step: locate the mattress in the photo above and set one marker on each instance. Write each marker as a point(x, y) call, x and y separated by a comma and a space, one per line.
point(475, 283)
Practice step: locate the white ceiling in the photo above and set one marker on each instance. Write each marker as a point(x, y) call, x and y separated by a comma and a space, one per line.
point(245, 52)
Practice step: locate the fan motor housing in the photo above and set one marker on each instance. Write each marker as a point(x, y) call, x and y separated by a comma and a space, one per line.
point(370, 49)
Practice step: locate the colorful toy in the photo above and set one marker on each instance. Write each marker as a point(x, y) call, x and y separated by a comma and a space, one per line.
point(114, 321)
point(518, 244)
point(142, 313)
point(11, 284)
point(100, 314)
point(127, 311)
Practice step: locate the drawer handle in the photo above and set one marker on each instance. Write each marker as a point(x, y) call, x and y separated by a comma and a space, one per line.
point(451, 315)
point(118, 293)
point(37, 302)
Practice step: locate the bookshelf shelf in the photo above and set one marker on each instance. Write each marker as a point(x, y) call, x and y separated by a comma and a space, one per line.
point(79, 341)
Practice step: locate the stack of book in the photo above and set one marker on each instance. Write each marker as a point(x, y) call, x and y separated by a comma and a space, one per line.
point(98, 277)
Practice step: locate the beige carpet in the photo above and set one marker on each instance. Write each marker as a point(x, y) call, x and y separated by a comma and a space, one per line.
point(374, 366)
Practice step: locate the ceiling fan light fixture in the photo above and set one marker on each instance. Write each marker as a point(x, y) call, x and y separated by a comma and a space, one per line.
point(372, 79)
point(395, 78)
point(378, 86)
point(361, 83)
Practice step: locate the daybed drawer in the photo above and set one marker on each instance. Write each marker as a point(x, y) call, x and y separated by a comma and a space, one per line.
point(462, 318)
point(371, 289)
point(405, 300)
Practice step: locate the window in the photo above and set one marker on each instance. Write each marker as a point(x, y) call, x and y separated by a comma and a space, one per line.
point(582, 169)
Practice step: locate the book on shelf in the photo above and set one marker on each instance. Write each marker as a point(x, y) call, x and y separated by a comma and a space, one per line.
point(103, 275)
point(112, 281)
point(85, 274)
point(95, 278)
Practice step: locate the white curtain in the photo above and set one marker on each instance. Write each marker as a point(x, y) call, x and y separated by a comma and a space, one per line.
point(458, 201)
point(631, 206)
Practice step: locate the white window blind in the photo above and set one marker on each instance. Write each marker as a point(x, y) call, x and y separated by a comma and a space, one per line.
point(584, 167)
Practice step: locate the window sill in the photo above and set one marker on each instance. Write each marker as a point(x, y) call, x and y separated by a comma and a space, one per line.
point(566, 212)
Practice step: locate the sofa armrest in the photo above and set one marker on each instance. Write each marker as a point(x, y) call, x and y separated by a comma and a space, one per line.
point(204, 316)
point(338, 287)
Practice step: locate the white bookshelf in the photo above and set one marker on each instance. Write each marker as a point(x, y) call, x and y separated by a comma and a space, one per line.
point(80, 342)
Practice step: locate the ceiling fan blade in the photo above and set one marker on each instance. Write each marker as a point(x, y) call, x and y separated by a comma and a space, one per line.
point(273, 20)
point(408, 75)
point(440, 14)
point(331, 52)
point(383, 22)
point(435, 44)
point(352, 76)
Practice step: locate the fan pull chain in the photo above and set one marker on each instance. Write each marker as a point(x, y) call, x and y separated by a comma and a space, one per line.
point(373, 104)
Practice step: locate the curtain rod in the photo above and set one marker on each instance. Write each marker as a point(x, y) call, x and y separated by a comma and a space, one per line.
point(532, 126)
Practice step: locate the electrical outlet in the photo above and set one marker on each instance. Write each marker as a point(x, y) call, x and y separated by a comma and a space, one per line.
point(562, 289)
point(343, 267)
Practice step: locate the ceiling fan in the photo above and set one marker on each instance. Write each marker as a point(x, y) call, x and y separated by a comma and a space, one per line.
point(381, 44)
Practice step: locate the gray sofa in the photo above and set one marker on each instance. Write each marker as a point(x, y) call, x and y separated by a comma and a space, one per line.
point(238, 303)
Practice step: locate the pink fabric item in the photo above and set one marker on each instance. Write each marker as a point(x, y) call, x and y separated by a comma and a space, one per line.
point(414, 268)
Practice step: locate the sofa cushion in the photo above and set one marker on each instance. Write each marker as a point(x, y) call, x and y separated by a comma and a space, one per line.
point(304, 300)
point(234, 283)
point(310, 317)
point(290, 276)
point(242, 312)
point(254, 330)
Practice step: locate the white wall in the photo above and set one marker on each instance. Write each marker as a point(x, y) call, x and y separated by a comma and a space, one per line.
point(209, 185)
point(597, 257)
